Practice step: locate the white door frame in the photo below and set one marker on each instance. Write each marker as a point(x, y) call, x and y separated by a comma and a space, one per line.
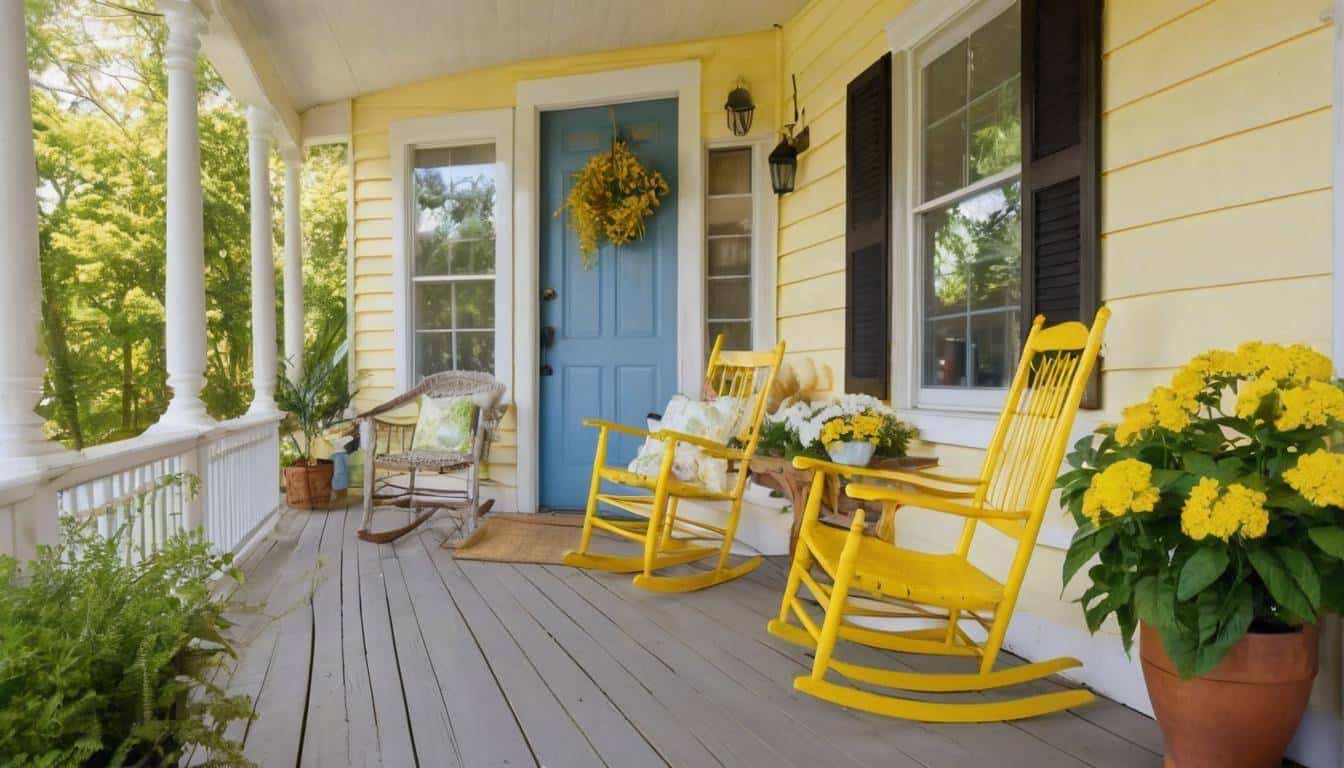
point(679, 80)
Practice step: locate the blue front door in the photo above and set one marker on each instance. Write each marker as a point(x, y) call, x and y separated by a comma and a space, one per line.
point(609, 337)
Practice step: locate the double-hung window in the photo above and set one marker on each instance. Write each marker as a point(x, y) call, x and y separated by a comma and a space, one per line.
point(966, 213)
point(729, 212)
point(453, 258)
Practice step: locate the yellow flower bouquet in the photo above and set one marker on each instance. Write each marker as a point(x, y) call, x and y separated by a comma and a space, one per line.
point(1216, 505)
point(612, 196)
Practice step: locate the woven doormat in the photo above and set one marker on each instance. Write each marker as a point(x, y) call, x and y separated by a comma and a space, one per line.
point(523, 539)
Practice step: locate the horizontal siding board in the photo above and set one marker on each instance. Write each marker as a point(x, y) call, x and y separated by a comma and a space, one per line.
point(820, 259)
point(1122, 23)
point(1287, 80)
point(373, 228)
point(377, 189)
point(1283, 159)
point(796, 235)
point(816, 197)
point(379, 168)
point(818, 331)
point(1225, 30)
point(366, 210)
point(815, 295)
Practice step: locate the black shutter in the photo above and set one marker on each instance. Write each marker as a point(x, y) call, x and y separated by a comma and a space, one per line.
point(1061, 162)
point(868, 231)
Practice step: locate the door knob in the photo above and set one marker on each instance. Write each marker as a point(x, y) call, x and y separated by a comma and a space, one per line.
point(547, 370)
point(548, 294)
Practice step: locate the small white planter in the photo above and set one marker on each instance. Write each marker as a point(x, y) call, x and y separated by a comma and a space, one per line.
point(855, 453)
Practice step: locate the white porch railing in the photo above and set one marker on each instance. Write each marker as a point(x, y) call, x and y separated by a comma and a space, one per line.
point(237, 469)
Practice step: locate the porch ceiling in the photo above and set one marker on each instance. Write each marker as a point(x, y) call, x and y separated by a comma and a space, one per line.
point(326, 50)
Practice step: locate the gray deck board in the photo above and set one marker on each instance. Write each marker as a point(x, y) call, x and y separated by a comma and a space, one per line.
point(399, 655)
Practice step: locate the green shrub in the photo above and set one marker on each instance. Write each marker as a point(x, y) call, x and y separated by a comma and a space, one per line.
point(108, 663)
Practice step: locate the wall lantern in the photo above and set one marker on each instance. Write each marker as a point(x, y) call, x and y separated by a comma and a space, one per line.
point(784, 157)
point(740, 109)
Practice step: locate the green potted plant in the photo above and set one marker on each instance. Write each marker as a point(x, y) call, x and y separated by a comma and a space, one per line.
point(316, 400)
point(1213, 511)
point(110, 655)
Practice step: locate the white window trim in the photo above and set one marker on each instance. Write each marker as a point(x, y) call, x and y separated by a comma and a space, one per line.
point(679, 80)
point(764, 236)
point(457, 129)
point(962, 417)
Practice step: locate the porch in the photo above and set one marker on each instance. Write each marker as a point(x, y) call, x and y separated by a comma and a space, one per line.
point(398, 654)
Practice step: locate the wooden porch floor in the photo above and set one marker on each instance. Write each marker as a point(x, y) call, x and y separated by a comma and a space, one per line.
point(399, 655)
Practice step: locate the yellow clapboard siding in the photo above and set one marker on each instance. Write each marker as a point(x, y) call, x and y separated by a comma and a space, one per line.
point(376, 189)
point(369, 144)
point(373, 321)
point(1168, 329)
point(1279, 83)
point(810, 296)
point(373, 265)
point(373, 283)
point(1282, 159)
point(1225, 30)
point(824, 158)
point(809, 333)
point(371, 247)
point(831, 90)
point(796, 235)
point(379, 360)
point(375, 168)
point(1127, 386)
point(375, 340)
point(819, 259)
point(814, 198)
point(1124, 22)
point(373, 302)
point(373, 209)
point(818, 52)
point(840, 53)
point(1276, 238)
point(373, 227)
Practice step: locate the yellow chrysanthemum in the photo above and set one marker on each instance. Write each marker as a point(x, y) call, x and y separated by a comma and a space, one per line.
point(1294, 364)
point(1211, 511)
point(1250, 395)
point(1171, 409)
point(1314, 404)
point(1319, 477)
point(1124, 487)
point(1134, 421)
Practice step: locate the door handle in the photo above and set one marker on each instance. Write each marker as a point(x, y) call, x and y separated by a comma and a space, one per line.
point(547, 370)
point(548, 294)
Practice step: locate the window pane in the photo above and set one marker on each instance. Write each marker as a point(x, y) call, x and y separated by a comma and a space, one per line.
point(995, 51)
point(475, 303)
point(996, 131)
point(945, 353)
point(476, 351)
point(730, 256)
point(433, 353)
point(454, 191)
point(730, 171)
point(434, 306)
point(729, 299)
point(945, 84)
point(944, 266)
point(994, 342)
point(730, 216)
point(945, 156)
point(735, 335)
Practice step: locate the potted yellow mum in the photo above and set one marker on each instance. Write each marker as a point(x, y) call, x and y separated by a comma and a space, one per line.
point(1215, 514)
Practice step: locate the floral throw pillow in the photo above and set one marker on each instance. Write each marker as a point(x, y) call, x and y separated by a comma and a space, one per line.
point(444, 425)
point(690, 464)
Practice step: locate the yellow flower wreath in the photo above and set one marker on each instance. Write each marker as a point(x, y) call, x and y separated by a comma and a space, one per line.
point(612, 195)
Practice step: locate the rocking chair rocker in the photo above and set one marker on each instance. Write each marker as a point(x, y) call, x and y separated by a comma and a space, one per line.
point(387, 447)
point(670, 539)
point(1010, 495)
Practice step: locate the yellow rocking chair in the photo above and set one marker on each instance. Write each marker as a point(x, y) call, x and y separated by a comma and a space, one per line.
point(870, 578)
point(669, 538)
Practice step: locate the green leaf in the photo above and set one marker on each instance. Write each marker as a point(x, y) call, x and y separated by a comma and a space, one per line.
point(1304, 574)
point(1209, 604)
point(1166, 478)
point(1200, 464)
point(1155, 600)
point(1280, 584)
point(1202, 569)
point(1241, 610)
point(1330, 538)
point(1086, 543)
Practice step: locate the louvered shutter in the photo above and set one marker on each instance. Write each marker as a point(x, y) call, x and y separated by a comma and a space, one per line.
point(868, 231)
point(1061, 160)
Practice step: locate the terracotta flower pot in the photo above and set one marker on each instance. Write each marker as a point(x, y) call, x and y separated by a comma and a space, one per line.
point(1244, 712)
point(308, 486)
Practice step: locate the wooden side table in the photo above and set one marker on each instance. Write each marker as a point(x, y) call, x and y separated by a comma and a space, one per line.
point(779, 473)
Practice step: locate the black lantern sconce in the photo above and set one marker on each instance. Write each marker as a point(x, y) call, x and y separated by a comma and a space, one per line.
point(784, 157)
point(740, 109)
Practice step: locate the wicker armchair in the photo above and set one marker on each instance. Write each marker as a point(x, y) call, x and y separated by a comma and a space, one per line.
point(387, 449)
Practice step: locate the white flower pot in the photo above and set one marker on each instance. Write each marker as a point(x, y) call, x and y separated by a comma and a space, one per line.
point(855, 453)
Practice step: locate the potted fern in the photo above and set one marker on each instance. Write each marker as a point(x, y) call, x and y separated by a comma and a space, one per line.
point(1215, 514)
point(316, 400)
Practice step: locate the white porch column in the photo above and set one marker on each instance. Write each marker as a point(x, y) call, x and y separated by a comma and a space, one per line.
point(293, 158)
point(185, 292)
point(21, 367)
point(260, 123)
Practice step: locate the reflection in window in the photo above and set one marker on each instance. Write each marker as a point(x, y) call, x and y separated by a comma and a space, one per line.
point(454, 259)
point(970, 234)
point(729, 222)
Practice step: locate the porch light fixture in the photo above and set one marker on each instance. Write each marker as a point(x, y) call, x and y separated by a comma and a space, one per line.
point(739, 109)
point(784, 158)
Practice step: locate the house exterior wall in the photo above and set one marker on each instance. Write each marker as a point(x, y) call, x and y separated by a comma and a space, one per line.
point(753, 57)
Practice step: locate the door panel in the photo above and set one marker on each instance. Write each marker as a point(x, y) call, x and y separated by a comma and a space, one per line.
point(612, 352)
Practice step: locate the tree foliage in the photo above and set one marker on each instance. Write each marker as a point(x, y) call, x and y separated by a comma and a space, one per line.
point(100, 120)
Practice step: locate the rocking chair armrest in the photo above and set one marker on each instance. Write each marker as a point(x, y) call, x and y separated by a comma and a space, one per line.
point(949, 479)
point(616, 427)
point(937, 503)
point(709, 446)
point(391, 405)
point(918, 479)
